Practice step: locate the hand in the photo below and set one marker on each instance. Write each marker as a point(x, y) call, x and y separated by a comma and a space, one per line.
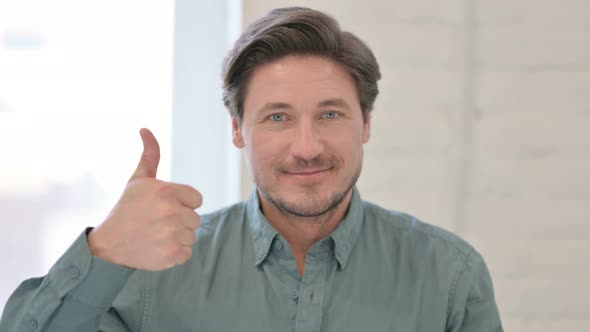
point(152, 226)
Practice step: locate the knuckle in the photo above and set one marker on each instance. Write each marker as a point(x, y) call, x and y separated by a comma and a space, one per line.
point(184, 254)
point(164, 189)
point(195, 196)
point(198, 198)
point(193, 238)
point(168, 232)
point(193, 222)
point(168, 209)
point(171, 253)
point(167, 262)
point(187, 237)
point(187, 253)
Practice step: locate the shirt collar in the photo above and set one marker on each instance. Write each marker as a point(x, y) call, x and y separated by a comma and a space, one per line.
point(261, 230)
point(344, 236)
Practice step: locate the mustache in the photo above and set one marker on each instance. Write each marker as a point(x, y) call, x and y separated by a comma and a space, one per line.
point(300, 165)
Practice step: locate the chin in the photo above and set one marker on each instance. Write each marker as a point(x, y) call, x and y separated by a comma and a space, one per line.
point(305, 201)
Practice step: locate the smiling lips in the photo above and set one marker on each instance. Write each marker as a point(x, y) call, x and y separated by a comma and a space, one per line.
point(309, 174)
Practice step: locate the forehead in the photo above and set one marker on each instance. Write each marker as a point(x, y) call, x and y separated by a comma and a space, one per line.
point(299, 81)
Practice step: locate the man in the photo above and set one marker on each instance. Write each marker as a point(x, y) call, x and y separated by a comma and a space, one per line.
point(303, 254)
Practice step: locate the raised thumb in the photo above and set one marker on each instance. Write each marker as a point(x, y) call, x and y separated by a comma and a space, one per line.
point(150, 158)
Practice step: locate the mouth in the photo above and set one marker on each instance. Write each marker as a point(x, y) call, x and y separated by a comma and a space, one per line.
point(309, 174)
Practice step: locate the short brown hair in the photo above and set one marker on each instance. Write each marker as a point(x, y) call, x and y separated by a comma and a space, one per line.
point(297, 31)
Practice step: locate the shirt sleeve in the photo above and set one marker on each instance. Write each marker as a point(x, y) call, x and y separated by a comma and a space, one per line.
point(472, 306)
point(76, 295)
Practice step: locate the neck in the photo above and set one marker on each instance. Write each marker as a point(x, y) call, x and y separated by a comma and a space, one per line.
point(303, 232)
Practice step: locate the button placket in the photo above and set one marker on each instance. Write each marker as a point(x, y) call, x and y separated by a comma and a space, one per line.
point(278, 245)
point(293, 294)
point(31, 325)
point(74, 272)
point(310, 303)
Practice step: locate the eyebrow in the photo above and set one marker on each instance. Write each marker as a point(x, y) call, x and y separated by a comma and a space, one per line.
point(337, 102)
point(273, 106)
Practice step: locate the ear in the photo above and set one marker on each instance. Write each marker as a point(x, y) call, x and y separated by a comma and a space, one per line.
point(237, 137)
point(367, 128)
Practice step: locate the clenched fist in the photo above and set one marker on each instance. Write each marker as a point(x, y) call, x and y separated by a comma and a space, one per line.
point(152, 226)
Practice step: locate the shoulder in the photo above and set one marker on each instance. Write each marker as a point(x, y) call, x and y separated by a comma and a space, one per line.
point(407, 230)
point(452, 259)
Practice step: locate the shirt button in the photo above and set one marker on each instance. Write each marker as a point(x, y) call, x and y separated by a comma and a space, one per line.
point(74, 272)
point(278, 245)
point(293, 294)
point(31, 325)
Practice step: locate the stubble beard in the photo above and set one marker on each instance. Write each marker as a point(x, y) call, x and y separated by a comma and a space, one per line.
point(311, 209)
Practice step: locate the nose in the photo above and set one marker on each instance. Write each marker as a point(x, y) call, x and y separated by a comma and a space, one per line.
point(306, 143)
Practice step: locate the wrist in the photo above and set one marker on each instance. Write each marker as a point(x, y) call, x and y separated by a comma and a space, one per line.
point(97, 246)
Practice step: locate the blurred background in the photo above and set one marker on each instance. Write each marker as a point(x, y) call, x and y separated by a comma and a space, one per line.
point(482, 126)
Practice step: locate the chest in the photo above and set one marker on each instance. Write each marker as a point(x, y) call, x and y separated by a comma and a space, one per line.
point(270, 298)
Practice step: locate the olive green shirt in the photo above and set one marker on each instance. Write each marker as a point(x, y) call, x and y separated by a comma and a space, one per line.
point(380, 270)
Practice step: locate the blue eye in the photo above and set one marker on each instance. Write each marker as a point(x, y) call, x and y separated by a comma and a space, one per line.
point(330, 115)
point(277, 117)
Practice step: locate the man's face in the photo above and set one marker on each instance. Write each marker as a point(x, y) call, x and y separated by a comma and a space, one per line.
point(303, 131)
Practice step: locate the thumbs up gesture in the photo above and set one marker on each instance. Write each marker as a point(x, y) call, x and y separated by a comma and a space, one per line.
point(152, 226)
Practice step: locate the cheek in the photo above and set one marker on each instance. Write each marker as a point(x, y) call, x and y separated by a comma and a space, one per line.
point(349, 138)
point(349, 149)
point(264, 150)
